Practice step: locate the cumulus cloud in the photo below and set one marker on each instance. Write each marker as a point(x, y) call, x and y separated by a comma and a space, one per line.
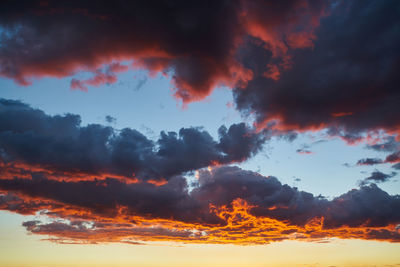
point(304, 64)
point(295, 66)
point(194, 42)
point(347, 83)
point(60, 144)
point(227, 205)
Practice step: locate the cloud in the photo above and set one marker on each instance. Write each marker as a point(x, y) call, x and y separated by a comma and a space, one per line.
point(346, 83)
point(388, 144)
point(110, 119)
point(295, 66)
point(227, 205)
point(304, 149)
point(59, 144)
point(394, 157)
point(396, 166)
point(194, 43)
point(140, 83)
point(378, 177)
point(370, 161)
point(308, 72)
point(101, 77)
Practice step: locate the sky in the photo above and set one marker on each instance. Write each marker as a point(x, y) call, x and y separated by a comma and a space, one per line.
point(175, 133)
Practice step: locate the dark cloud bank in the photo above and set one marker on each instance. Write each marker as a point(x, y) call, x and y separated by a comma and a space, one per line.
point(59, 143)
point(308, 64)
point(55, 166)
point(367, 213)
point(348, 81)
point(295, 65)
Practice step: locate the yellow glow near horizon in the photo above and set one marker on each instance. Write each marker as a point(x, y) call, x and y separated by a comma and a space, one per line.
point(17, 249)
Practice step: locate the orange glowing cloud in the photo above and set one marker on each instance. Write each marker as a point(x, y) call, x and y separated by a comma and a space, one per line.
point(198, 49)
point(109, 210)
point(240, 228)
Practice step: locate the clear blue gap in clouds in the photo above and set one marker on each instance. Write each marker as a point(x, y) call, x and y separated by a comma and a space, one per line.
point(146, 104)
point(151, 106)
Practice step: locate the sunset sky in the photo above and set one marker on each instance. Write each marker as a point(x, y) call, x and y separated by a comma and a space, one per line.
point(199, 133)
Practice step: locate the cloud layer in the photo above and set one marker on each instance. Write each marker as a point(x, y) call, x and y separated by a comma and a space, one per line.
point(98, 184)
point(295, 66)
point(227, 205)
point(31, 139)
point(304, 64)
point(348, 81)
point(197, 41)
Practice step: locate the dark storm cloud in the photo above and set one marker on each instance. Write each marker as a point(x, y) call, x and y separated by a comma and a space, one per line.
point(325, 67)
point(195, 41)
point(348, 82)
point(285, 62)
point(56, 38)
point(60, 143)
point(282, 202)
point(18, 204)
point(102, 197)
point(238, 144)
point(367, 206)
point(271, 198)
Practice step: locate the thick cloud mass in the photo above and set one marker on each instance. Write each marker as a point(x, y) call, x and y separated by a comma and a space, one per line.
point(294, 65)
point(196, 40)
point(308, 64)
point(225, 200)
point(56, 38)
point(60, 144)
point(348, 80)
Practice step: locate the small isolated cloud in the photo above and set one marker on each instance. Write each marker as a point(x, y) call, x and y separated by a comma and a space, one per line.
point(346, 164)
point(141, 82)
point(378, 177)
point(304, 149)
point(370, 161)
point(110, 119)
